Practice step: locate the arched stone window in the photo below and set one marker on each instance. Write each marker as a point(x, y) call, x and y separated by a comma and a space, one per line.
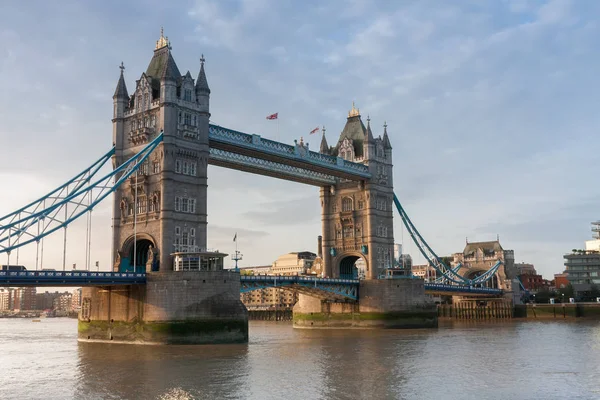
point(346, 204)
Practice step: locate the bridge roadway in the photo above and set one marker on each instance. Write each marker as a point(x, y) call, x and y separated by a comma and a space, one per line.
point(325, 288)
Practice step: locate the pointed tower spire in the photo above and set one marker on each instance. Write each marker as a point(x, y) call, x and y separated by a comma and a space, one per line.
point(324, 149)
point(201, 82)
point(121, 90)
point(386, 139)
point(369, 138)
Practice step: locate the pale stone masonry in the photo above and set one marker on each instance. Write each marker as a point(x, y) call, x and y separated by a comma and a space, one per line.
point(357, 219)
point(171, 187)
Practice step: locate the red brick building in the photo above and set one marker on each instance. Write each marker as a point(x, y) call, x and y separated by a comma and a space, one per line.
point(534, 283)
point(561, 281)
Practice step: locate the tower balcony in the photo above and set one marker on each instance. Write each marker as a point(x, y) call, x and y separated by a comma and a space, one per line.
point(188, 131)
point(140, 135)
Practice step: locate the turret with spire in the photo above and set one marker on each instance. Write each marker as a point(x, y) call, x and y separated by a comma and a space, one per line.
point(202, 89)
point(120, 103)
point(386, 140)
point(201, 82)
point(369, 143)
point(324, 149)
point(121, 90)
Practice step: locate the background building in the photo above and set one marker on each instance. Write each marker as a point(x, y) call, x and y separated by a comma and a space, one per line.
point(478, 257)
point(4, 299)
point(76, 300)
point(525, 269)
point(424, 271)
point(583, 266)
point(561, 281)
point(298, 263)
point(22, 299)
point(45, 301)
point(63, 302)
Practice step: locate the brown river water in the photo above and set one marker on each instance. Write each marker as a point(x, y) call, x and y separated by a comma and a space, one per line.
point(505, 360)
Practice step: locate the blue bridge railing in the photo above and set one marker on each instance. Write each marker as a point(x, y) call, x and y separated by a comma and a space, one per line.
point(70, 278)
point(443, 287)
point(320, 287)
point(327, 288)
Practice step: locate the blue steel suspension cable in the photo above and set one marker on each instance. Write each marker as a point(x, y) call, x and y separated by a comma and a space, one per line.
point(15, 229)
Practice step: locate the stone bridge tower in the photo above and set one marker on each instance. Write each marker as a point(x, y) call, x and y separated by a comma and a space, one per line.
point(358, 236)
point(162, 209)
point(159, 221)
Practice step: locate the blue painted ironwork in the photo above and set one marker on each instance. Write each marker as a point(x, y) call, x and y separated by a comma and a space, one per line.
point(69, 278)
point(268, 167)
point(325, 288)
point(50, 213)
point(448, 274)
point(219, 135)
point(465, 289)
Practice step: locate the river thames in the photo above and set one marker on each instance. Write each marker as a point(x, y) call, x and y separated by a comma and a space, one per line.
point(511, 360)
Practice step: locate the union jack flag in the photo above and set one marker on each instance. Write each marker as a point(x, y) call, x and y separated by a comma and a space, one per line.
point(314, 130)
point(272, 116)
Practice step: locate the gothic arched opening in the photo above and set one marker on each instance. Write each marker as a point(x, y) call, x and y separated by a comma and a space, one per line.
point(348, 267)
point(137, 254)
point(490, 283)
point(141, 249)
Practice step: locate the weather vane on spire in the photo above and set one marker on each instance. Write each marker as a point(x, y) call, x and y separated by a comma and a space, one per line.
point(122, 67)
point(202, 60)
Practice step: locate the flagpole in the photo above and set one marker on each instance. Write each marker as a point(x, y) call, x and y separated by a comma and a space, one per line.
point(278, 128)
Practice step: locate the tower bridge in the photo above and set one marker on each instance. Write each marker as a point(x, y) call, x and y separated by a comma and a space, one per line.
point(165, 286)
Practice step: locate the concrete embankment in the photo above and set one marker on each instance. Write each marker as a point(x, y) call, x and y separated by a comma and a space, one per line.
point(558, 311)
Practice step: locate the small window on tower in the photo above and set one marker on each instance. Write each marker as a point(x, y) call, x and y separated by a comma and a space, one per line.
point(187, 95)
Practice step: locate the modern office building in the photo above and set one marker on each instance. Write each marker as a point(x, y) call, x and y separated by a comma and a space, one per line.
point(583, 266)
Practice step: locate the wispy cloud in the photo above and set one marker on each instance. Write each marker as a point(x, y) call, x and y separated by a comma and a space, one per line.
point(491, 108)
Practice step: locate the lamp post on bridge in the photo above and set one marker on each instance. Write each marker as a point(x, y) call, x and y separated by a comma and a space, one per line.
point(236, 257)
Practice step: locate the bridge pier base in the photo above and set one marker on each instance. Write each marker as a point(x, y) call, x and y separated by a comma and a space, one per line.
point(194, 307)
point(386, 303)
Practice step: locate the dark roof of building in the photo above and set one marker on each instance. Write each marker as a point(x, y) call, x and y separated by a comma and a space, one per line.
point(354, 130)
point(162, 66)
point(121, 90)
point(386, 139)
point(324, 148)
point(485, 246)
point(201, 82)
point(369, 135)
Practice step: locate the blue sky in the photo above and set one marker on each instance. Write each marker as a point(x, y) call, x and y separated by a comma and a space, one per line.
point(491, 109)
